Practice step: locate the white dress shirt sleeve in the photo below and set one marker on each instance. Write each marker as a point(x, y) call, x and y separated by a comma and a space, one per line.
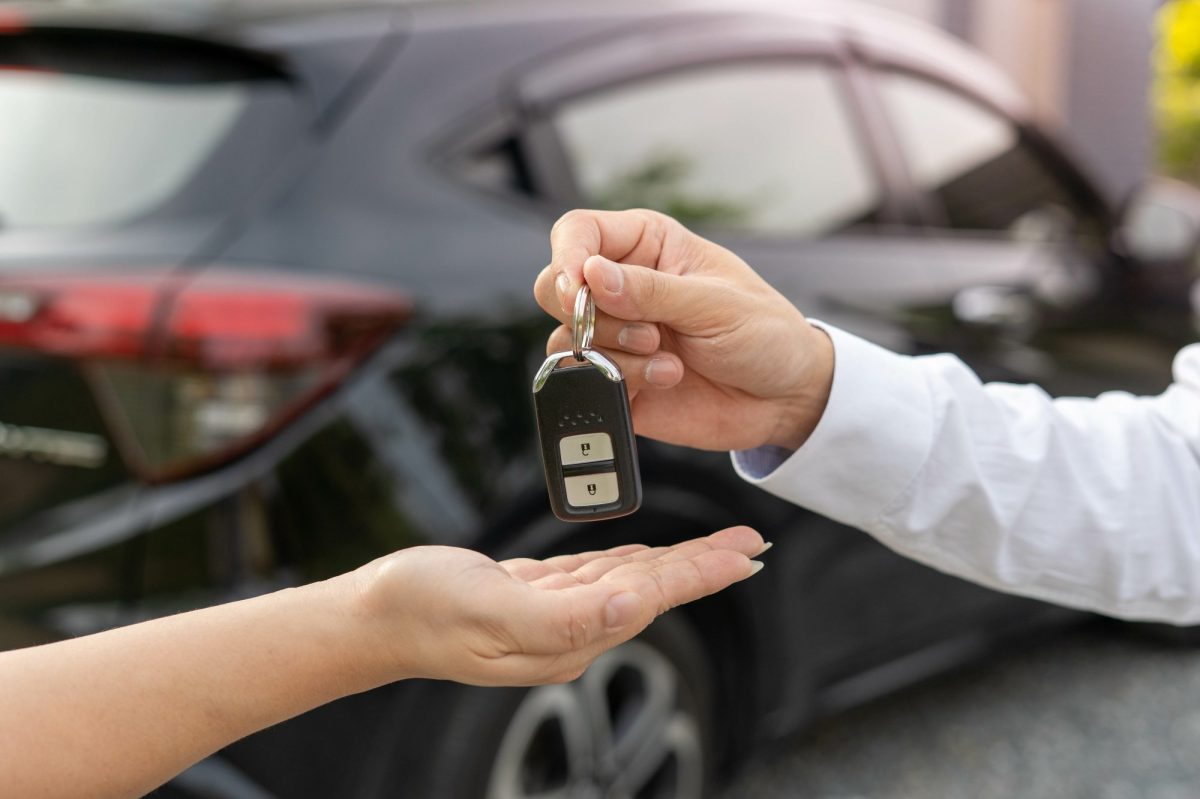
point(1090, 503)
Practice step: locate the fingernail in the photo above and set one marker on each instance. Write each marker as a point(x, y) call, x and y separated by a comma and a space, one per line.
point(622, 610)
point(661, 372)
point(765, 547)
point(562, 284)
point(611, 276)
point(756, 566)
point(636, 338)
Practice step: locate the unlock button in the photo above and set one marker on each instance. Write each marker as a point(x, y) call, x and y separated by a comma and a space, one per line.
point(588, 490)
point(588, 448)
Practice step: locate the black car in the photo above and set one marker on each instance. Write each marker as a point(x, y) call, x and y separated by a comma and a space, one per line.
point(266, 313)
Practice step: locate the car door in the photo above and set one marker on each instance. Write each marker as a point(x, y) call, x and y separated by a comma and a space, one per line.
point(1023, 284)
point(759, 144)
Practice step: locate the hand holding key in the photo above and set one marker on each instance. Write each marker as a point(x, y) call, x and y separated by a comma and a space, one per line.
point(713, 356)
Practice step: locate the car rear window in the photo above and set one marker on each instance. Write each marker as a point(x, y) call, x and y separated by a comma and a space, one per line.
point(104, 129)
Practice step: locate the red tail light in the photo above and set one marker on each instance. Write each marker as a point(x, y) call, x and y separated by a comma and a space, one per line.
point(11, 21)
point(195, 369)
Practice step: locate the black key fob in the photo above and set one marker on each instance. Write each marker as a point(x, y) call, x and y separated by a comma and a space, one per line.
point(588, 449)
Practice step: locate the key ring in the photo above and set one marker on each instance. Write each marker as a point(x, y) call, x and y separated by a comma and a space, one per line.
point(583, 326)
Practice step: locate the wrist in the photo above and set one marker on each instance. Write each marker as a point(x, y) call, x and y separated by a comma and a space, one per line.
point(803, 408)
point(372, 652)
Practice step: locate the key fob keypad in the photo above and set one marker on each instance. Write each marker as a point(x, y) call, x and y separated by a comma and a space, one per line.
point(588, 448)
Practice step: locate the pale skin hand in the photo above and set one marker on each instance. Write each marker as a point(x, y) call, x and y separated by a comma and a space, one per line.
point(118, 713)
point(714, 357)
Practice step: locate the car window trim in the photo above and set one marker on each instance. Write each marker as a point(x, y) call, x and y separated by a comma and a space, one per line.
point(627, 56)
point(881, 143)
point(1047, 151)
point(547, 157)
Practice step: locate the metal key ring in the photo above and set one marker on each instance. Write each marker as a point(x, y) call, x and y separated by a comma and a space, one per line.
point(583, 326)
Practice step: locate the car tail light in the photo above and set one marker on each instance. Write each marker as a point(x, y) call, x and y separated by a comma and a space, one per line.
point(11, 21)
point(192, 370)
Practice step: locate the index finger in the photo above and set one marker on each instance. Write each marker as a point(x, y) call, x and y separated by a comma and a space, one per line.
point(584, 620)
point(671, 583)
point(529, 569)
point(617, 235)
point(737, 539)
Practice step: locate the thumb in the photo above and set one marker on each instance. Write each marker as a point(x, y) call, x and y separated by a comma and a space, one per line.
point(690, 304)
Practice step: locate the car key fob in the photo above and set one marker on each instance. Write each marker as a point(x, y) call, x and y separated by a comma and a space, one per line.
point(588, 448)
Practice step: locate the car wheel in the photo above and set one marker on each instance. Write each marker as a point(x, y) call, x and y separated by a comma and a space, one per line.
point(636, 725)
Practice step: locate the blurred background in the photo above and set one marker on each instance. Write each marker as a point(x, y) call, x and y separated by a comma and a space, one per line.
point(265, 314)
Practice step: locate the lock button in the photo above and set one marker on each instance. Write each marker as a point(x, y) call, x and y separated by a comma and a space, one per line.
point(589, 490)
point(588, 448)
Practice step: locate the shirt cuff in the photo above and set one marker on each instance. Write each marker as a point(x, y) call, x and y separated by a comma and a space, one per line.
point(870, 443)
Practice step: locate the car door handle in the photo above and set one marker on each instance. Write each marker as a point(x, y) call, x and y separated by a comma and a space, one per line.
point(994, 307)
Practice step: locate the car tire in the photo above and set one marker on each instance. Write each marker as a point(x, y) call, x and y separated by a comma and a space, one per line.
point(637, 724)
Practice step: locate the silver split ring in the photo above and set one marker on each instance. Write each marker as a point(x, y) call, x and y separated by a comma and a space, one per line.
point(583, 326)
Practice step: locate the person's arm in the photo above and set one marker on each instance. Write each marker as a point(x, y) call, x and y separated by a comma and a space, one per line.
point(1093, 504)
point(1090, 503)
point(118, 713)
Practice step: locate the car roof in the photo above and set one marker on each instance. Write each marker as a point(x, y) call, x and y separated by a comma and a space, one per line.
point(879, 34)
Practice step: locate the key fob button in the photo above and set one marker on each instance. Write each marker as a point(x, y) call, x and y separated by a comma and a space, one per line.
point(589, 490)
point(585, 435)
point(588, 448)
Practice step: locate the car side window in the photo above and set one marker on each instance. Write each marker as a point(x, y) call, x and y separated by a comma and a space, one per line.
point(766, 148)
point(499, 167)
point(970, 161)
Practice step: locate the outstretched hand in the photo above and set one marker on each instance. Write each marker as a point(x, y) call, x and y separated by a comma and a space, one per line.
point(455, 614)
point(175, 689)
point(714, 357)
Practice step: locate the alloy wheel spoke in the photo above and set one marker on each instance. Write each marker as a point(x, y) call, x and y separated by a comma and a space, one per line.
point(679, 739)
point(558, 706)
point(618, 727)
point(643, 731)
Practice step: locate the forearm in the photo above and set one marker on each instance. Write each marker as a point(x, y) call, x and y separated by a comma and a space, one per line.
point(1088, 503)
point(118, 713)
